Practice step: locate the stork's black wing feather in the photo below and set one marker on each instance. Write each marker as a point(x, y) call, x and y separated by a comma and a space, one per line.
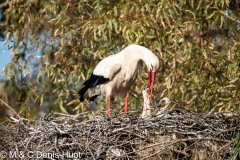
point(93, 81)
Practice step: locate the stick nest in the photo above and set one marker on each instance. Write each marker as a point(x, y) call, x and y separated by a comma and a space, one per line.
point(173, 135)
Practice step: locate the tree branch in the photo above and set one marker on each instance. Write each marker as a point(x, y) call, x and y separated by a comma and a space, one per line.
point(231, 18)
point(3, 4)
point(10, 108)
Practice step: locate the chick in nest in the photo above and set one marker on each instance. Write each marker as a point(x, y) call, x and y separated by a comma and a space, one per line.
point(162, 105)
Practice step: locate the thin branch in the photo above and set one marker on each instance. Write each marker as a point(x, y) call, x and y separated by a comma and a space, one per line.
point(3, 4)
point(231, 18)
point(10, 108)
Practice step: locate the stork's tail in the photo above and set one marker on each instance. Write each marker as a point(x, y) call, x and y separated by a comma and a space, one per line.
point(82, 92)
point(92, 88)
point(90, 93)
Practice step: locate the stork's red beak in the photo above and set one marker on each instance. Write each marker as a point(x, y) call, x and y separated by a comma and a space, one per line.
point(151, 76)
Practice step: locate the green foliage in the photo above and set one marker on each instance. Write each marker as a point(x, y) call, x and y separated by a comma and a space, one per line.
point(236, 154)
point(197, 42)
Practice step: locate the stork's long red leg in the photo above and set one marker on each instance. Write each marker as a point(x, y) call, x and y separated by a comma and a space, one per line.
point(126, 104)
point(109, 106)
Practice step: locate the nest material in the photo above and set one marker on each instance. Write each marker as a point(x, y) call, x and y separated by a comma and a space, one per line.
point(173, 135)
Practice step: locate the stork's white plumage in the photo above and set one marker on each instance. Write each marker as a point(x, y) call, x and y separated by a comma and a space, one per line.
point(116, 73)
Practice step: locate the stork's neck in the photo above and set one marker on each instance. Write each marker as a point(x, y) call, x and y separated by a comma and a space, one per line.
point(139, 53)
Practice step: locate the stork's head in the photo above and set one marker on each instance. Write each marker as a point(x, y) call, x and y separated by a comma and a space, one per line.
point(152, 68)
point(149, 58)
point(164, 102)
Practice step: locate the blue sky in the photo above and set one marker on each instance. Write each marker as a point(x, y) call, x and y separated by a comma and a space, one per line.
point(5, 56)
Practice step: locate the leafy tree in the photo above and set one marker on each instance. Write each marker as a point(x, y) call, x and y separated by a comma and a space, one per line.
point(57, 44)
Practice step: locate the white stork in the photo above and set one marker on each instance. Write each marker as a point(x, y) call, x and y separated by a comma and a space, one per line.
point(115, 74)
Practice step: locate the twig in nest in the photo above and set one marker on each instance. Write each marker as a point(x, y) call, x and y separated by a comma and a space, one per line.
point(124, 138)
